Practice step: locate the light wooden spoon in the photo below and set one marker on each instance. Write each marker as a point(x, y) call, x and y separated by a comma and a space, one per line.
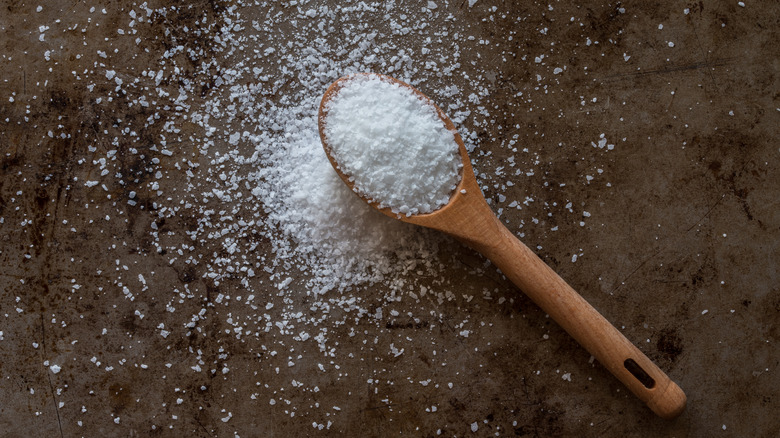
point(469, 219)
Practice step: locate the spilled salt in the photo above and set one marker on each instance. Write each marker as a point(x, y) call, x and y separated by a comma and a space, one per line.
point(393, 145)
point(239, 165)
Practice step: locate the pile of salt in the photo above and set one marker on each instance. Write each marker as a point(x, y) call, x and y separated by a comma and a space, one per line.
point(393, 145)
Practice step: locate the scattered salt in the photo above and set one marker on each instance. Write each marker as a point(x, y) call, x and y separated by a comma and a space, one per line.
point(258, 173)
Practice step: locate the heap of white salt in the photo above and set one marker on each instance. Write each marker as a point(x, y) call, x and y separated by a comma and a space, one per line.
point(393, 145)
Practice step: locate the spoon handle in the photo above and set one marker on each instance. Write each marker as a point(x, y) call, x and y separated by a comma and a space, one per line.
point(584, 323)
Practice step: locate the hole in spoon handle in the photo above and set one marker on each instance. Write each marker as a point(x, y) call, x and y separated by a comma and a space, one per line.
point(639, 373)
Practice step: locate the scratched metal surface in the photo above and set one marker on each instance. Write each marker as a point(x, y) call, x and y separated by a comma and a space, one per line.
point(680, 251)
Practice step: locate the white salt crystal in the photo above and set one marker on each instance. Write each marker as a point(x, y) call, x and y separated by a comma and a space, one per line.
point(393, 145)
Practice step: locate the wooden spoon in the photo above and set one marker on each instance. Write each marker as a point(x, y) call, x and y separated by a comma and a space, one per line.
point(468, 218)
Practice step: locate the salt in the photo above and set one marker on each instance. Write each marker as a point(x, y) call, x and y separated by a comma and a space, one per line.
point(254, 185)
point(392, 145)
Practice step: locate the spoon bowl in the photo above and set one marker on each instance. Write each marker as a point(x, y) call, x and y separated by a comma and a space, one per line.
point(468, 218)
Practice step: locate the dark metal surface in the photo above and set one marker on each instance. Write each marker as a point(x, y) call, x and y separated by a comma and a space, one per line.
point(675, 237)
